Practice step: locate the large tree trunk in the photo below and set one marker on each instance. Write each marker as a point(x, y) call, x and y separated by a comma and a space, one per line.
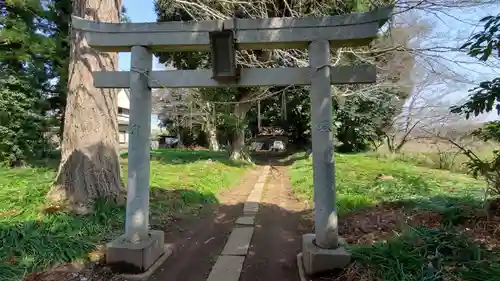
point(211, 129)
point(238, 140)
point(213, 143)
point(89, 167)
point(237, 144)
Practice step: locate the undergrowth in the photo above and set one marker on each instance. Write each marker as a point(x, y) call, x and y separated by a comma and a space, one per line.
point(441, 239)
point(363, 181)
point(33, 240)
point(451, 160)
point(429, 254)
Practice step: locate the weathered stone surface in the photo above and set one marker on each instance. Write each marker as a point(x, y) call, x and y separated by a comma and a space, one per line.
point(249, 77)
point(325, 224)
point(255, 195)
point(271, 33)
point(317, 260)
point(247, 220)
point(238, 242)
point(300, 267)
point(140, 255)
point(250, 208)
point(227, 268)
point(168, 250)
point(137, 211)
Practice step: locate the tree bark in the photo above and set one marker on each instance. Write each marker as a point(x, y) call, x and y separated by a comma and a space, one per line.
point(213, 144)
point(237, 145)
point(211, 129)
point(89, 167)
point(238, 140)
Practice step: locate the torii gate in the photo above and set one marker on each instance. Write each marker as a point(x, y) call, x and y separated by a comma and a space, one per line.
point(140, 246)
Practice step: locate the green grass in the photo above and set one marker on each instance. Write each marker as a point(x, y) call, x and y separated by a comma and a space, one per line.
point(357, 186)
point(421, 252)
point(429, 254)
point(181, 181)
point(447, 159)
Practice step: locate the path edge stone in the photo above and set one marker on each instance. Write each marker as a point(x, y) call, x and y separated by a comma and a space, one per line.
point(250, 209)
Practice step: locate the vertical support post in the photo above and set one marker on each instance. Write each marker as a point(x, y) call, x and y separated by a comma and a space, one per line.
point(137, 220)
point(259, 122)
point(322, 146)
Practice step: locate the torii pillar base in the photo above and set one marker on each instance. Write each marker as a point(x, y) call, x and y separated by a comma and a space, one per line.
point(317, 260)
point(137, 261)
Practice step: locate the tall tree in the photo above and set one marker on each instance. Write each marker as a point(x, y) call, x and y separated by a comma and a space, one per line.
point(89, 167)
point(24, 49)
point(168, 10)
point(484, 45)
point(58, 18)
point(183, 108)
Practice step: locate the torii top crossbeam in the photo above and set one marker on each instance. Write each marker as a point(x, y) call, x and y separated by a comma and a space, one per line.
point(272, 33)
point(355, 29)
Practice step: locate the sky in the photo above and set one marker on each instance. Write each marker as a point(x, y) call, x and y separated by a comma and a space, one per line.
point(452, 30)
point(140, 11)
point(458, 24)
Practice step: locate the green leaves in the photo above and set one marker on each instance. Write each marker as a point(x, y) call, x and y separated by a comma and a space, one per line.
point(362, 118)
point(28, 51)
point(482, 45)
point(489, 131)
point(484, 98)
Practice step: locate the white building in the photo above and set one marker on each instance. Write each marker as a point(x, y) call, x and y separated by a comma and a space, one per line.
point(123, 115)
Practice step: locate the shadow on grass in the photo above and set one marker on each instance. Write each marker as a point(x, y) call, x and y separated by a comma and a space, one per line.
point(406, 251)
point(423, 253)
point(391, 240)
point(285, 158)
point(438, 238)
point(184, 156)
point(33, 240)
point(454, 209)
point(51, 163)
point(57, 238)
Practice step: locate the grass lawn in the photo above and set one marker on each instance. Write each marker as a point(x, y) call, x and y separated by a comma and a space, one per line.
point(181, 181)
point(442, 155)
point(414, 224)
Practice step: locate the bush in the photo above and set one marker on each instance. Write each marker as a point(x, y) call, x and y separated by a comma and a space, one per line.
point(22, 122)
point(445, 160)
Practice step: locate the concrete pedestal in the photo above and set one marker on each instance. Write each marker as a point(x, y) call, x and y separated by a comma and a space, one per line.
point(135, 257)
point(317, 260)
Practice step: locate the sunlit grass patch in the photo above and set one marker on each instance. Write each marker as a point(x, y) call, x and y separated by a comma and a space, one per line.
point(32, 240)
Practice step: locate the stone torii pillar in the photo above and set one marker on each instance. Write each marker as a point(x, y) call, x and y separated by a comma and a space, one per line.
point(137, 218)
point(139, 247)
point(322, 146)
point(321, 251)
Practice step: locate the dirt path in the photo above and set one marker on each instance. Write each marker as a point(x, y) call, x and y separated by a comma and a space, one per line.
point(278, 233)
point(197, 247)
point(198, 242)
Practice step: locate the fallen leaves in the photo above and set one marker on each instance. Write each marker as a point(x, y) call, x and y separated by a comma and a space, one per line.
point(10, 213)
point(383, 222)
point(483, 231)
point(98, 255)
point(371, 225)
point(10, 260)
point(52, 209)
